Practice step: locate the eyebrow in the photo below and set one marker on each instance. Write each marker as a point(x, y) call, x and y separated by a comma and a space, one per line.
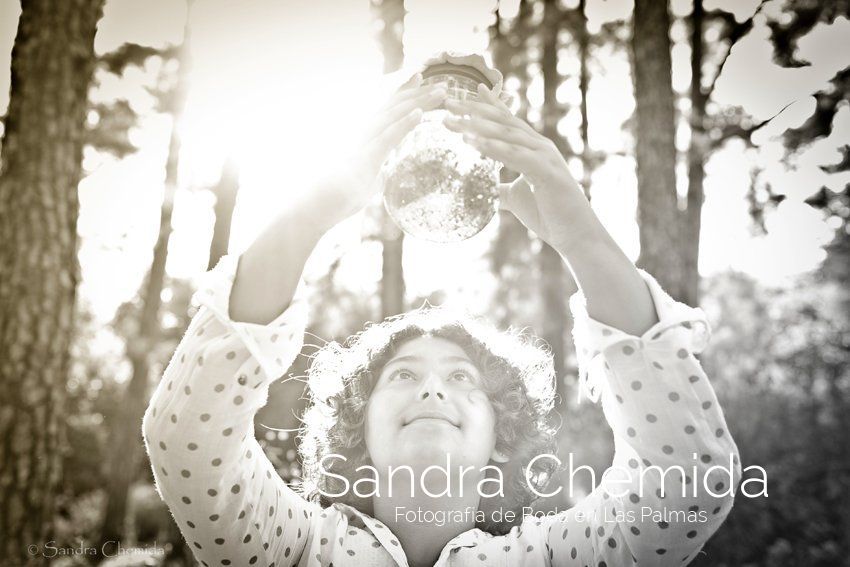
point(414, 358)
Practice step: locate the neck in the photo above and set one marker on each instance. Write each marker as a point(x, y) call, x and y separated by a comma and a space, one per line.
point(425, 524)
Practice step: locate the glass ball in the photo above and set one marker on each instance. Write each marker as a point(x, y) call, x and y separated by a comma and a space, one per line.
point(436, 186)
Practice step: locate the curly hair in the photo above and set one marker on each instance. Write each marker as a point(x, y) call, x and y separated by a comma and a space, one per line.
point(518, 378)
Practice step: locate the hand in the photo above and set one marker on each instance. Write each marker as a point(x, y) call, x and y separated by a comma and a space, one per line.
point(351, 186)
point(545, 198)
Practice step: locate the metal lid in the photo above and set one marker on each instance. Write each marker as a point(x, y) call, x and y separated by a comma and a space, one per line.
point(467, 71)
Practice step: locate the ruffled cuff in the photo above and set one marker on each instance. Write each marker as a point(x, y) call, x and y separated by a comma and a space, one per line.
point(679, 326)
point(269, 344)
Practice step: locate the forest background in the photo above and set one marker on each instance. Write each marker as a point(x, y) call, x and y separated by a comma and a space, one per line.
point(144, 140)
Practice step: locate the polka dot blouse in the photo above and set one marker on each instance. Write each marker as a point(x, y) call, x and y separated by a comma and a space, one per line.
point(234, 509)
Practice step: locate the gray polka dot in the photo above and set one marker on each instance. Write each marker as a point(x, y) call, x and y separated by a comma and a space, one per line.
point(667, 449)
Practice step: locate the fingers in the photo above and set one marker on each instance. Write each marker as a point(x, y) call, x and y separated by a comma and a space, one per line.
point(514, 156)
point(495, 111)
point(517, 197)
point(389, 137)
point(412, 82)
point(494, 130)
point(423, 98)
point(489, 95)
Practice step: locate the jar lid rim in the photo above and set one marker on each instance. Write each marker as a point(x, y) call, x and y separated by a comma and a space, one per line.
point(467, 71)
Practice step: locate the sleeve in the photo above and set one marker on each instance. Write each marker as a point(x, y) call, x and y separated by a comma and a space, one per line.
point(675, 466)
point(225, 495)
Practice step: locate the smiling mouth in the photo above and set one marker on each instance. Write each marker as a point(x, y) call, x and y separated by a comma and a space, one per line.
point(432, 417)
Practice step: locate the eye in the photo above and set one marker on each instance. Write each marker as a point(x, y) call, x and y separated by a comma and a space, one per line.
point(403, 375)
point(461, 376)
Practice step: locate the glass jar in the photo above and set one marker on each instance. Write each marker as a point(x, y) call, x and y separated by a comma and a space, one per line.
point(436, 186)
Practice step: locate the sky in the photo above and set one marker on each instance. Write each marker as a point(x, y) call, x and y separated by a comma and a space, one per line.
point(284, 88)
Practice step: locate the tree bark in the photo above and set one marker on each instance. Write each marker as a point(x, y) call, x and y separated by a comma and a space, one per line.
point(52, 65)
point(655, 149)
point(391, 12)
point(555, 284)
point(692, 218)
point(583, 85)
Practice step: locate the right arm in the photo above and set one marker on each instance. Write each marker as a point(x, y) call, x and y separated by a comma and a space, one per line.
point(225, 495)
point(269, 272)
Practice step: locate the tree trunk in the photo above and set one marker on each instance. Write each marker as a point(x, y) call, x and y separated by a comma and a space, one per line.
point(391, 12)
point(554, 281)
point(655, 149)
point(583, 84)
point(125, 429)
point(225, 201)
point(52, 64)
point(512, 244)
point(691, 220)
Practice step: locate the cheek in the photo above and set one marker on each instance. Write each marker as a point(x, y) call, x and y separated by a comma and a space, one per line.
point(379, 415)
point(481, 411)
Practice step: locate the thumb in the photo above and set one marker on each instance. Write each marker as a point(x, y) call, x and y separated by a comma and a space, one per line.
point(513, 195)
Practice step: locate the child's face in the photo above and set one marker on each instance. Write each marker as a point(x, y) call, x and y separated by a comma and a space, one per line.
point(427, 404)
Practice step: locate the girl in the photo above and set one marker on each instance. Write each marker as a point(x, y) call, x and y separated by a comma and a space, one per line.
point(432, 394)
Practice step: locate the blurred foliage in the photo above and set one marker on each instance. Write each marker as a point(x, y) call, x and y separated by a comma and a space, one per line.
point(778, 360)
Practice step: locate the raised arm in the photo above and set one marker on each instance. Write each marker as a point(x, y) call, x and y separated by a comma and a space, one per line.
point(636, 349)
point(225, 495)
point(662, 500)
point(227, 499)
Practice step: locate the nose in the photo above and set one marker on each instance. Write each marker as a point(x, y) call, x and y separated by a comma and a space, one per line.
point(432, 388)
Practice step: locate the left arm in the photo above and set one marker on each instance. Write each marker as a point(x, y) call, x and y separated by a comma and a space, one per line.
point(655, 395)
point(548, 201)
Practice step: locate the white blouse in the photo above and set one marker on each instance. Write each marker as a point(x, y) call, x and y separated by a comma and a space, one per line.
point(234, 509)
